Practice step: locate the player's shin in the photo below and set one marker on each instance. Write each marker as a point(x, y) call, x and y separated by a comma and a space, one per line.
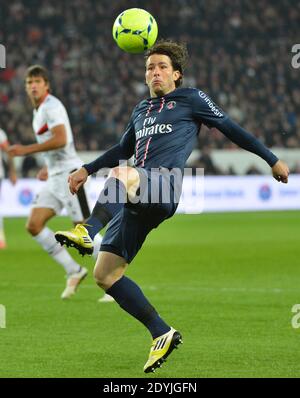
point(131, 299)
point(110, 202)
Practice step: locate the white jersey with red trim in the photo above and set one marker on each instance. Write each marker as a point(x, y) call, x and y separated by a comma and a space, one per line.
point(49, 114)
point(3, 141)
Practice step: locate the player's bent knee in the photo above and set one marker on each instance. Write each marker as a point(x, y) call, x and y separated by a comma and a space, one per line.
point(106, 280)
point(125, 174)
point(117, 172)
point(101, 280)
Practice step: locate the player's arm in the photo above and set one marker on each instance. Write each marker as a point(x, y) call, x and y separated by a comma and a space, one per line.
point(247, 141)
point(213, 116)
point(12, 175)
point(111, 158)
point(58, 140)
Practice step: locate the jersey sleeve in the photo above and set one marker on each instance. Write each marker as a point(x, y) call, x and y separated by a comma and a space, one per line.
point(122, 151)
point(54, 115)
point(207, 112)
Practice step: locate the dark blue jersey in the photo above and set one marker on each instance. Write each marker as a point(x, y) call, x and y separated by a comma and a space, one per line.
point(162, 132)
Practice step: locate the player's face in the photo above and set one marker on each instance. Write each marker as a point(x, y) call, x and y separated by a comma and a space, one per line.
point(160, 75)
point(36, 88)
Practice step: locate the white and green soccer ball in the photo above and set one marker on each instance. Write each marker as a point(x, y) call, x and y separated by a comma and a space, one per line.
point(135, 30)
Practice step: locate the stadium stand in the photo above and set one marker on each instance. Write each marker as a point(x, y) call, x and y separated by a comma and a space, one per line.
point(240, 55)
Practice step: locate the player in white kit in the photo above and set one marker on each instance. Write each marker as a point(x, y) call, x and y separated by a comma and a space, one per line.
point(12, 176)
point(55, 139)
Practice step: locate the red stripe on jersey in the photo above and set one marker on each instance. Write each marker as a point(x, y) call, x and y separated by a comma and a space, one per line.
point(150, 107)
point(137, 150)
point(162, 103)
point(146, 151)
point(43, 129)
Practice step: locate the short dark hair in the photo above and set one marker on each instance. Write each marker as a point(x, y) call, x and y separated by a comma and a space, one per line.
point(38, 70)
point(177, 53)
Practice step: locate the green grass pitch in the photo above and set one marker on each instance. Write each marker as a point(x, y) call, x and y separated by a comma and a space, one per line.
point(228, 282)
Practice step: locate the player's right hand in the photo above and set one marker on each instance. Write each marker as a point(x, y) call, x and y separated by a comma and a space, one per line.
point(77, 179)
point(281, 171)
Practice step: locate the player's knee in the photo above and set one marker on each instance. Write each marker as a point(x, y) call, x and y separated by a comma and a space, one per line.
point(100, 279)
point(104, 281)
point(118, 172)
point(125, 174)
point(33, 227)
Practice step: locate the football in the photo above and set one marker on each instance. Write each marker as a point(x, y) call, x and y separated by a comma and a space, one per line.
point(135, 30)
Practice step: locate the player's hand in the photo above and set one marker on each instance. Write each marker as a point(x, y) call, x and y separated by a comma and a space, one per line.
point(77, 179)
point(281, 171)
point(17, 150)
point(13, 178)
point(42, 175)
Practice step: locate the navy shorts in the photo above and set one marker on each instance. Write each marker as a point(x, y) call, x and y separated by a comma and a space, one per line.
point(129, 228)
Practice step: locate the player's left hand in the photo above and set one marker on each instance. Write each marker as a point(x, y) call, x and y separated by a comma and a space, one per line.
point(281, 171)
point(17, 150)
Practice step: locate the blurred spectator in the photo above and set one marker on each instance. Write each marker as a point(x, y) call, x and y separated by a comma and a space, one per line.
point(205, 162)
point(253, 170)
point(240, 55)
point(296, 169)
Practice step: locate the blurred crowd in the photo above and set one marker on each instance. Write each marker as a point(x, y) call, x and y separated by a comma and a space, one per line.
point(240, 54)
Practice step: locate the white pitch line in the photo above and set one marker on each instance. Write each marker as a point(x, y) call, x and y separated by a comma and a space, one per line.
point(158, 287)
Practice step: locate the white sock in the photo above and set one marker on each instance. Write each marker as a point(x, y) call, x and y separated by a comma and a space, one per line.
point(48, 242)
point(97, 243)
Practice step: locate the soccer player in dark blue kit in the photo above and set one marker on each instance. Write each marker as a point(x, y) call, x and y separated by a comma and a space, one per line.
point(161, 134)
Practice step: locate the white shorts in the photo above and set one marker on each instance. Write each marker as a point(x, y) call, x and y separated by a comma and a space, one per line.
point(55, 195)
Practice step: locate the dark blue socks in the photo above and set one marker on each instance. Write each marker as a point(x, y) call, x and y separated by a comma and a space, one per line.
point(130, 297)
point(110, 202)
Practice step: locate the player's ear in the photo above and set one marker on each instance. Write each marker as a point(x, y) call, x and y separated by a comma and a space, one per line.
point(176, 75)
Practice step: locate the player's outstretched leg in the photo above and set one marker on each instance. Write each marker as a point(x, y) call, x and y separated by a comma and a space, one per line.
point(161, 348)
point(165, 338)
point(81, 237)
point(109, 275)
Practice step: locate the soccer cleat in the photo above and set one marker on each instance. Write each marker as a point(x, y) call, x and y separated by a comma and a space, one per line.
point(77, 237)
point(73, 281)
point(161, 348)
point(106, 299)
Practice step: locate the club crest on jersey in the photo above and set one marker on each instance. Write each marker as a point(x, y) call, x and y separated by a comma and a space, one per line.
point(171, 105)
